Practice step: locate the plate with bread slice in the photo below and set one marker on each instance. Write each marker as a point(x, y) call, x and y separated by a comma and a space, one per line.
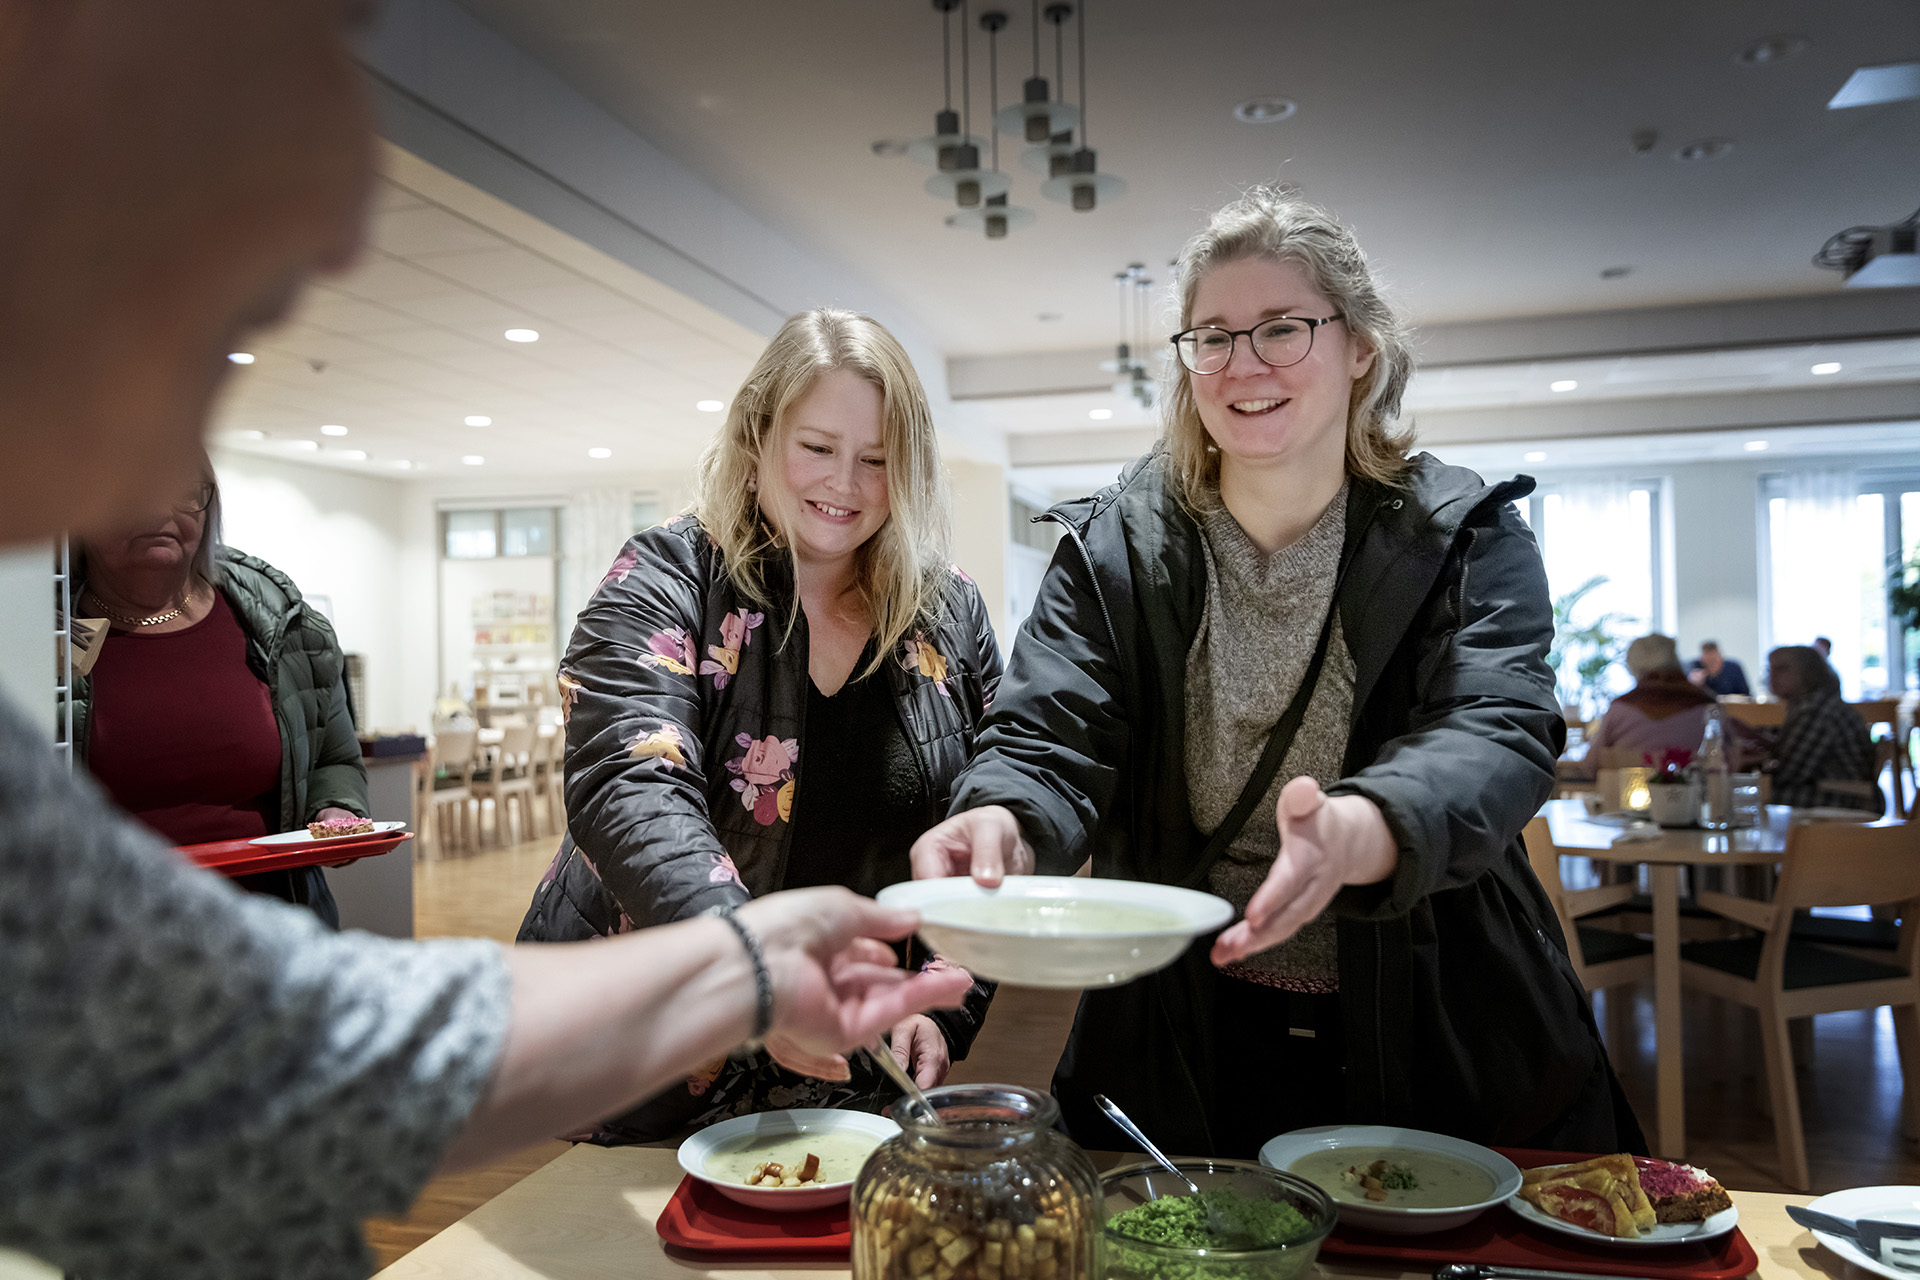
point(1628, 1200)
point(330, 829)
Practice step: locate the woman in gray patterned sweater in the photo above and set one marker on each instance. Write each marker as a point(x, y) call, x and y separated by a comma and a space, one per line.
point(1281, 582)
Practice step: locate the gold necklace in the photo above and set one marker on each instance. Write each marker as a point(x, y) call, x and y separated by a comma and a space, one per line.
point(153, 621)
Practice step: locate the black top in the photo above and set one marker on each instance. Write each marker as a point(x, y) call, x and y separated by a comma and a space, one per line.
point(862, 799)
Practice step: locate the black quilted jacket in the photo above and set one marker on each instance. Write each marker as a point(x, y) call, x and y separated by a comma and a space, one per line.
point(685, 744)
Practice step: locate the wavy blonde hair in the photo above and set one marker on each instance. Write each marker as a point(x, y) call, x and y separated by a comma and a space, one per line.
point(1275, 223)
point(900, 572)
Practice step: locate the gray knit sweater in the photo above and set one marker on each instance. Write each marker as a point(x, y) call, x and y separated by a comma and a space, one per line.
point(1263, 615)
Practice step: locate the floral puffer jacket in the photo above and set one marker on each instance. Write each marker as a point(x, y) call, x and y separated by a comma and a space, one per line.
point(685, 705)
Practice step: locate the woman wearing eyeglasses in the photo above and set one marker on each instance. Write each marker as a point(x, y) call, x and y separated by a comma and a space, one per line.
point(1283, 661)
point(216, 707)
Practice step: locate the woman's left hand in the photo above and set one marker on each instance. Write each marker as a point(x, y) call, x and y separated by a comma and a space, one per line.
point(921, 1050)
point(1326, 843)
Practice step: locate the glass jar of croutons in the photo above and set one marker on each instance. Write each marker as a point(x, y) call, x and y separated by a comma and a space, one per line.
point(994, 1192)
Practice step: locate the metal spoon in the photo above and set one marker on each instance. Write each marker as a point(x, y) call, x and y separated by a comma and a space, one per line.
point(1217, 1223)
point(895, 1072)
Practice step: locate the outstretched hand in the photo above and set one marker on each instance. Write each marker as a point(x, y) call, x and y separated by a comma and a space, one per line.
point(1326, 843)
point(984, 843)
point(835, 982)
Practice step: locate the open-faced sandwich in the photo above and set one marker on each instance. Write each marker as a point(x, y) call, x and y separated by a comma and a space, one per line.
point(1622, 1195)
point(329, 828)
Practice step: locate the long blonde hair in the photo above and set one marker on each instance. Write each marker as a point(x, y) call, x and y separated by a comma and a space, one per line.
point(1275, 223)
point(900, 572)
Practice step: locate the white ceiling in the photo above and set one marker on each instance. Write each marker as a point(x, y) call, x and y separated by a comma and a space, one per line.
point(1481, 148)
point(404, 347)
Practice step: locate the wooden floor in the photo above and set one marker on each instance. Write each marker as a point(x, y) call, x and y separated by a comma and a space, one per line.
point(1849, 1090)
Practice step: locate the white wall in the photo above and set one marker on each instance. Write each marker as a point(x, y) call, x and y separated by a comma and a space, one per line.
point(26, 632)
point(337, 535)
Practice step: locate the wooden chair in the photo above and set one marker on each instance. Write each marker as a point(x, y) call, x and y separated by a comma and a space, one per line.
point(451, 761)
point(507, 779)
point(1602, 958)
point(1782, 977)
point(1756, 715)
point(548, 748)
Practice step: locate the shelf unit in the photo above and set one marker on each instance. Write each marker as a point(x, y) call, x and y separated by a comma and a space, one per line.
point(62, 651)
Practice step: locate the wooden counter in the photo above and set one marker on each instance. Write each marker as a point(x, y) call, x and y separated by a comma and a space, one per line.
point(589, 1216)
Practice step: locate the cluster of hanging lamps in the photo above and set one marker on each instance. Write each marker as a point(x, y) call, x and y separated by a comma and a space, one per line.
point(1133, 378)
point(981, 194)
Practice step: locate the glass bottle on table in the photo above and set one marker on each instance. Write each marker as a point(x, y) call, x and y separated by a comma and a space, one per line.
point(1715, 774)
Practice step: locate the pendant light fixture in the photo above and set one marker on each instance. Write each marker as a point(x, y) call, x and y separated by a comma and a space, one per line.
point(994, 216)
point(1038, 116)
point(1133, 293)
point(1082, 186)
point(965, 183)
point(941, 150)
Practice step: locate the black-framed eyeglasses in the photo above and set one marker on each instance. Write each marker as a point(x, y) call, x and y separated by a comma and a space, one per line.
point(196, 501)
point(1280, 341)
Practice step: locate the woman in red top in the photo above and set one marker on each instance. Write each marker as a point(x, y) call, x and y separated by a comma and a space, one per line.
point(217, 706)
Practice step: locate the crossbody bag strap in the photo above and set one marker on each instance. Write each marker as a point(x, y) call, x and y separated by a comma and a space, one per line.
point(1278, 743)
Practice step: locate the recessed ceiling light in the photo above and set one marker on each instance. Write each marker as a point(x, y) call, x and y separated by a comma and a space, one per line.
point(253, 435)
point(523, 335)
point(1756, 446)
point(401, 464)
point(599, 453)
point(1535, 456)
point(241, 357)
point(1265, 110)
point(333, 429)
point(354, 455)
point(1702, 150)
point(1099, 415)
point(1826, 367)
point(478, 420)
point(1773, 49)
point(474, 460)
point(305, 446)
point(1565, 384)
point(1614, 273)
point(889, 147)
point(710, 406)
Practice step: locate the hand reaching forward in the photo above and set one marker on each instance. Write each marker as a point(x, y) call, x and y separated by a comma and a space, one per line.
point(984, 843)
point(1326, 843)
point(835, 983)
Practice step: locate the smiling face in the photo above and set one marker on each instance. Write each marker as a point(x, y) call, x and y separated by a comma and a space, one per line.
point(823, 483)
point(1261, 416)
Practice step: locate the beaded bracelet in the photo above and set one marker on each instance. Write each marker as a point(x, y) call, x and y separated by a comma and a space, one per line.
point(762, 980)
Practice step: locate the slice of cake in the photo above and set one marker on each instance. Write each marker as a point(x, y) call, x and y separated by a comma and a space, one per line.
point(1681, 1192)
point(330, 828)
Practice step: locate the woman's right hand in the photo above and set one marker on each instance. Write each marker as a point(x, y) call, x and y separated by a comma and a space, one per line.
point(836, 984)
point(984, 843)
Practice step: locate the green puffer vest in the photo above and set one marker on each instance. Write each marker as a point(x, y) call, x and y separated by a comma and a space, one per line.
point(293, 650)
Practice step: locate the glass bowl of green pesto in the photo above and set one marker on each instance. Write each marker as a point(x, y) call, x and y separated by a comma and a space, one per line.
point(1155, 1228)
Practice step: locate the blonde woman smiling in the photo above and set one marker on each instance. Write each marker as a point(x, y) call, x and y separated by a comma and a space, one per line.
point(777, 690)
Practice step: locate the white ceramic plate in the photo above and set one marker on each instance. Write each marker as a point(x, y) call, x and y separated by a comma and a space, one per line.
point(730, 1135)
point(1052, 944)
point(1282, 1152)
point(1661, 1233)
point(1898, 1204)
point(303, 836)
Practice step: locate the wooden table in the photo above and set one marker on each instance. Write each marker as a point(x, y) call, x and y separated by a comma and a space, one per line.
point(1663, 856)
point(589, 1216)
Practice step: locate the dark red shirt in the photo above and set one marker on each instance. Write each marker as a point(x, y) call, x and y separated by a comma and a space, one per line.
point(182, 733)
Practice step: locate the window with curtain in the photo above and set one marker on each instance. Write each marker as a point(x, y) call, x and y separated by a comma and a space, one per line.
point(1601, 543)
point(1832, 539)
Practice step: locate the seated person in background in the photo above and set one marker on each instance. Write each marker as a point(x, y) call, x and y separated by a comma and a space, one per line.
point(1821, 755)
point(777, 690)
point(1722, 676)
point(214, 685)
point(1662, 712)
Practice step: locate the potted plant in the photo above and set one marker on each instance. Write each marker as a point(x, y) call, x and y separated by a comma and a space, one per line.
point(1903, 595)
point(1582, 652)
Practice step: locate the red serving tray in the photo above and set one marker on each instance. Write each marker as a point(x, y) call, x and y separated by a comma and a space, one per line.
point(700, 1219)
point(244, 858)
point(1501, 1238)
